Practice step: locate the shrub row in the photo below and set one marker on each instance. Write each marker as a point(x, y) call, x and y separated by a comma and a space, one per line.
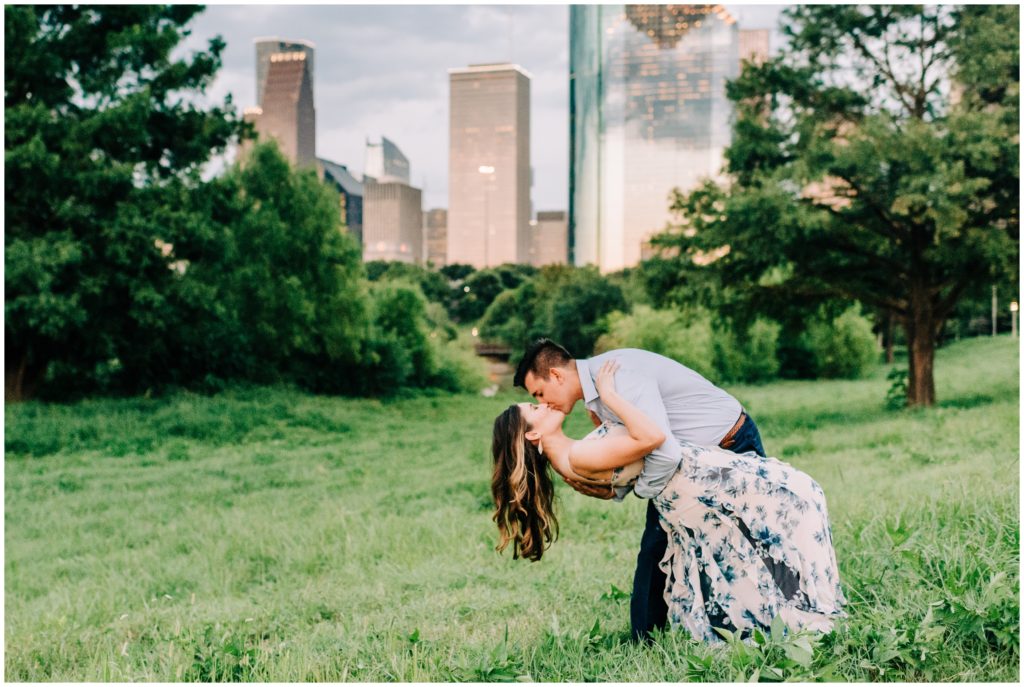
point(841, 348)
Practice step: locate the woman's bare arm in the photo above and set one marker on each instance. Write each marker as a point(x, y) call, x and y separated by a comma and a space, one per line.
point(589, 457)
point(618, 476)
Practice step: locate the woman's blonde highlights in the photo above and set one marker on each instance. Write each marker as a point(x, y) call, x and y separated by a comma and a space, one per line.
point(522, 489)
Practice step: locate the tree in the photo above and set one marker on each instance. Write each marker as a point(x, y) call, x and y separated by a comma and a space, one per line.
point(457, 271)
point(480, 288)
point(566, 304)
point(874, 159)
point(293, 276)
point(433, 284)
point(102, 141)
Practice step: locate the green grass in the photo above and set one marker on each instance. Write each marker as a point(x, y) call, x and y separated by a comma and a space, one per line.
point(270, 535)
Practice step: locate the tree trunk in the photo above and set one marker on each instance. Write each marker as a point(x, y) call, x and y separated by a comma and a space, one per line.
point(921, 328)
point(890, 356)
point(20, 382)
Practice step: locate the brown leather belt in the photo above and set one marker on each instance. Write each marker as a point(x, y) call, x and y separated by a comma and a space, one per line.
point(730, 438)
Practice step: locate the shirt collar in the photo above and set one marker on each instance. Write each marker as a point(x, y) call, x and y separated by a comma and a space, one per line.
point(586, 382)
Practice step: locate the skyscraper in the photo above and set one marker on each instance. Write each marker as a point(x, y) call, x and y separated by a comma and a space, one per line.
point(435, 234)
point(489, 165)
point(549, 241)
point(754, 45)
point(648, 113)
point(284, 85)
point(392, 222)
point(265, 47)
point(384, 162)
point(392, 209)
point(350, 195)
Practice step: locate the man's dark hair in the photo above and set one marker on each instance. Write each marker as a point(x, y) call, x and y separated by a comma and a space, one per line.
point(540, 357)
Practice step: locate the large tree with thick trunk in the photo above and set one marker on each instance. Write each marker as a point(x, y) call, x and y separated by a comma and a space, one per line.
point(875, 158)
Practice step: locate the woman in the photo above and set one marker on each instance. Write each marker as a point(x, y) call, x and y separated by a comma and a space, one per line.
point(749, 536)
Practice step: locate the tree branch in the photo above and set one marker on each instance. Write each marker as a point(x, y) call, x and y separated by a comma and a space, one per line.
point(894, 229)
point(885, 69)
point(892, 265)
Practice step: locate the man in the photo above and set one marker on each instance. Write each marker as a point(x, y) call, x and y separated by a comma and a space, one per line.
point(684, 404)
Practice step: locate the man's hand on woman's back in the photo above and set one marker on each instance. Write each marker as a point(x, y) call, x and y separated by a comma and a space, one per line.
point(596, 491)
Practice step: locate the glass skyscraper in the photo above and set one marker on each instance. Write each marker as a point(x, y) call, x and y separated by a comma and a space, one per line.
point(648, 113)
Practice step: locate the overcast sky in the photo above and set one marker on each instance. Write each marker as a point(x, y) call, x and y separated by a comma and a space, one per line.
point(383, 70)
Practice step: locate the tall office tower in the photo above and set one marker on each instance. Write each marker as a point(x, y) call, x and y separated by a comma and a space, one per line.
point(250, 115)
point(385, 162)
point(754, 45)
point(350, 195)
point(489, 165)
point(265, 47)
point(287, 108)
point(435, 233)
point(549, 239)
point(392, 222)
point(648, 113)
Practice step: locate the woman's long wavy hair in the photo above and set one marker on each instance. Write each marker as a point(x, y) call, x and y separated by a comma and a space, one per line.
point(522, 489)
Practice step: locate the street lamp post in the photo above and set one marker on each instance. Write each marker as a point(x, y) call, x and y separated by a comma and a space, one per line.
point(488, 171)
point(1013, 318)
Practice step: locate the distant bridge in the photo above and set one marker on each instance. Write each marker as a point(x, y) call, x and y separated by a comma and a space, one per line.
point(493, 351)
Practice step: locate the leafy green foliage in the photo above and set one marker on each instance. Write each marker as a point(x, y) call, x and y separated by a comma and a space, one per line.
point(434, 284)
point(896, 396)
point(479, 289)
point(688, 340)
point(224, 656)
point(291, 277)
point(566, 304)
point(101, 147)
point(695, 339)
point(408, 346)
point(457, 271)
point(843, 347)
point(575, 304)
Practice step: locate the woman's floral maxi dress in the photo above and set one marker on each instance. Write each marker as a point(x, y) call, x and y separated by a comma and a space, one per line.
point(748, 539)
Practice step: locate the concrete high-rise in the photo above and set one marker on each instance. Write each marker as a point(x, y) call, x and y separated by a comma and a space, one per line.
point(489, 174)
point(265, 47)
point(385, 162)
point(286, 112)
point(648, 113)
point(392, 222)
point(549, 239)
point(754, 45)
point(435, 234)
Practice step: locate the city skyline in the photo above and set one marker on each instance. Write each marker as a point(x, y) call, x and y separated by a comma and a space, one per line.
point(382, 71)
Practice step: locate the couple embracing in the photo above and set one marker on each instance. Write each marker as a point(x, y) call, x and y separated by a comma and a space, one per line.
point(732, 538)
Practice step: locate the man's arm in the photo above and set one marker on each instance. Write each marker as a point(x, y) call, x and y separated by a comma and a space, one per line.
point(597, 491)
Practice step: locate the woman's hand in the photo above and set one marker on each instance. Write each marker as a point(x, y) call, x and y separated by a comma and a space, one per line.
point(605, 381)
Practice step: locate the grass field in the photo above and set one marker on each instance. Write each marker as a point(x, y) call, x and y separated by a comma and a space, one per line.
point(270, 535)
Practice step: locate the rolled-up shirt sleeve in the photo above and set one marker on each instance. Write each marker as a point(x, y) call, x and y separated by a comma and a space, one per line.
point(661, 464)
